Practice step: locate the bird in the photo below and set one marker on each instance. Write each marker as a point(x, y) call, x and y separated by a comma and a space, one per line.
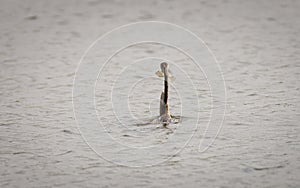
point(164, 112)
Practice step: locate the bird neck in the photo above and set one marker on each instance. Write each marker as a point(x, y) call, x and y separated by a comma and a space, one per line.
point(166, 89)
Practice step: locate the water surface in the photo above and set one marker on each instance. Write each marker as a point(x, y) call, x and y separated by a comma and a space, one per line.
point(256, 43)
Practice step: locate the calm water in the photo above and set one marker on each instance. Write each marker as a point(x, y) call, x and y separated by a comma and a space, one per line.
point(257, 44)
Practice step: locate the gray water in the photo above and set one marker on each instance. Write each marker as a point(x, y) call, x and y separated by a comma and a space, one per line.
point(256, 44)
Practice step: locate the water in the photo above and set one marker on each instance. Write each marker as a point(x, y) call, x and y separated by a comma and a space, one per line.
point(256, 43)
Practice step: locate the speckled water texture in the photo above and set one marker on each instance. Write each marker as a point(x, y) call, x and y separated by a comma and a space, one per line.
point(256, 42)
